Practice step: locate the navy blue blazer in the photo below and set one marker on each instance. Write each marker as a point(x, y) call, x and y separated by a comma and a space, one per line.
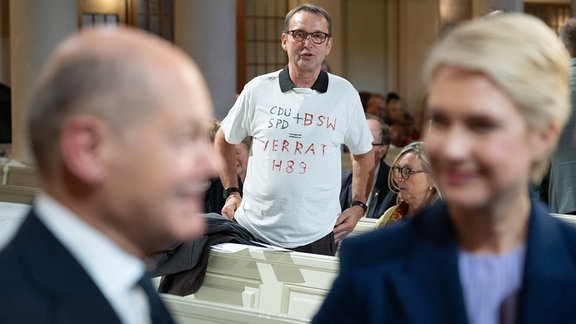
point(408, 273)
point(382, 198)
point(41, 282)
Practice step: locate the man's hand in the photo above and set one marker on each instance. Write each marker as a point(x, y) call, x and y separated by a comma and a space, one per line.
point(231, 205)
point(346, 222)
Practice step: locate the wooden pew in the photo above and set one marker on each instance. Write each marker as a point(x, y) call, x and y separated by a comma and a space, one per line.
point(20, 176)
point(571, 219)
point(186, 310)
point(368, 224)
point(18, 184)
point(364, 225)
point(17, 194)
point(289, 284)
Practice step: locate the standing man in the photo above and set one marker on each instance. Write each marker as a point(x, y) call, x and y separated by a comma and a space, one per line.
point(117, 126)
point(380, 197)
point(298, 118)
point(562, 186)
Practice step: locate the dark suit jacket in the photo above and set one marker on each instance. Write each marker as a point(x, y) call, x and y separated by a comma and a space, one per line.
point(408, 273)
point(382, 198)
point(41, 282)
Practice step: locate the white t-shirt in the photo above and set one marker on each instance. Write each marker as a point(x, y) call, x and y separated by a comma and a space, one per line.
point(291, 192)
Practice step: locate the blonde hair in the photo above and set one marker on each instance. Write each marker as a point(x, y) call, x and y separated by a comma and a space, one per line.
point(520, 54)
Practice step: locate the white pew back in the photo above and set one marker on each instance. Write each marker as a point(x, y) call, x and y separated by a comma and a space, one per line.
point(570, 219)
point(190, 311)
point(364, 225)
point(19, 184)
point(369, 224)
point(19, 176)
point(286, 283)
point(17, 194)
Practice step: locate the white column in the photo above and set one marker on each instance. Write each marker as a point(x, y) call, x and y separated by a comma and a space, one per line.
point(36, 27)
point(4, 43)
point(206, 30)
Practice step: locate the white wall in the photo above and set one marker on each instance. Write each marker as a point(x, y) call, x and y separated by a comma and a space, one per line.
point(206, 30)
point(386, 43)
point(418, 28)
point(365, 45)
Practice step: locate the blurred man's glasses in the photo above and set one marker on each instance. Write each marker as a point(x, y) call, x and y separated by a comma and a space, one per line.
point(301, 36)
point(404, 172)
point(378, 144)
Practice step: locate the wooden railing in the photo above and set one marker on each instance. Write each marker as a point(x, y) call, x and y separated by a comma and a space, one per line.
point(18, 184)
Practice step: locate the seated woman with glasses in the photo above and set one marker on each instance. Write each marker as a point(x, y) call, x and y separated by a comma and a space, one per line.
point(410, 177)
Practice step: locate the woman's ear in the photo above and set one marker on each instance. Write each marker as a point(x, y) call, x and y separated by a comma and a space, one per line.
point(81, 147)
point(542, 140)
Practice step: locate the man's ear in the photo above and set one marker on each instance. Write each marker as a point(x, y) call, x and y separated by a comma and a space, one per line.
point(81, 147)
point(328, 46)
point(385, 149)
point(284, 42)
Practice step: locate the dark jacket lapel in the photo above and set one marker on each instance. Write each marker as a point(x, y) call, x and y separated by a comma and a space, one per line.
point(550, 271)
point(58, 276)
point(376, 208)
point(432, 271)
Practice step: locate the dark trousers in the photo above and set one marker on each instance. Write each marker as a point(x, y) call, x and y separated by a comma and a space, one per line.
point(324, 246)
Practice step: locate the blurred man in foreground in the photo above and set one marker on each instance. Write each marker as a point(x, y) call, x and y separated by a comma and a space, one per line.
point(116, 125)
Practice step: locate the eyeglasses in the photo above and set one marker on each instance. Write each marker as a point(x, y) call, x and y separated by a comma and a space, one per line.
point(404, 172)
point(378, 144)
point(301, 36)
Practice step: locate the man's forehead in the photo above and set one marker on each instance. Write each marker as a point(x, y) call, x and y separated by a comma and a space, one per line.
point(299, 16)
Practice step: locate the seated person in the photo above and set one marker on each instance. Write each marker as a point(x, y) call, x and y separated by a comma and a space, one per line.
point(215, 194)
point(394, 110)
point(376, 105)
point(409, 124)
point(397, 142)
point(380, 198)
point(410, 177)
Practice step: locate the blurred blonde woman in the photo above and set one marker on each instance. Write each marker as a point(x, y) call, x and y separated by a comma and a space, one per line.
point(487, 252)
point(410, 177)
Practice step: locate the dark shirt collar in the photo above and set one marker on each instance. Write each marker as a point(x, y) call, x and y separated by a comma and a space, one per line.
point(320, 85)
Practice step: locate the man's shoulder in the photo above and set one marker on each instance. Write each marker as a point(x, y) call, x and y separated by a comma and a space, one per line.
point(268, 78)
point(339, 83)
